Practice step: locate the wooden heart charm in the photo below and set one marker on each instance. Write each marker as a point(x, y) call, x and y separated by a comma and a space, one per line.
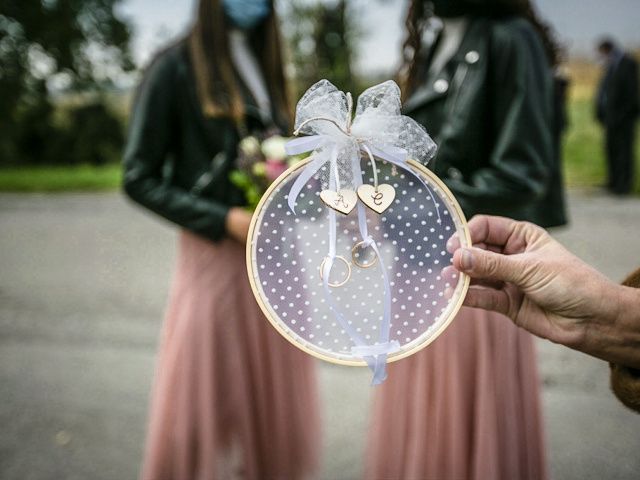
point(377, 200)
point(342, 201)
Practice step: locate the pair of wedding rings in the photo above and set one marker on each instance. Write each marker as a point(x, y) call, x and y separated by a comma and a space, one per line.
point(355, 259)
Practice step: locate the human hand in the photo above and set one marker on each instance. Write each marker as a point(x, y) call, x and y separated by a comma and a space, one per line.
point(237, 224)
point(518, 270)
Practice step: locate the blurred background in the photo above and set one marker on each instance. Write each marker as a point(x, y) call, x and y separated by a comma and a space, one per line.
point(66, 64)
point(82, 289)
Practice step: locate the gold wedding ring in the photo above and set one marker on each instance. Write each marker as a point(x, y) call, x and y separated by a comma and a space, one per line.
point(355, 261)
point(346, 279)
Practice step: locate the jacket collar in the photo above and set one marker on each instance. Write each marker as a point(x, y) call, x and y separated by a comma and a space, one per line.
point(471, 51)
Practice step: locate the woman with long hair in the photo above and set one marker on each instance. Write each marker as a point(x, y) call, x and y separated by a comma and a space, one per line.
point(231, 398)
point(478, 75)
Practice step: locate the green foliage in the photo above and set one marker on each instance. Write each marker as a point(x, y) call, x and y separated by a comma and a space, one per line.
point(44, 134)
point(64, 34)
point(78, 45)
point(251, 190)
point(322, 38)
point(584, 164)
point(97, 137)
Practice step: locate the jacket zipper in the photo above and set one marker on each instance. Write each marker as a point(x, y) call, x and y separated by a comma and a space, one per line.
point(217, 162)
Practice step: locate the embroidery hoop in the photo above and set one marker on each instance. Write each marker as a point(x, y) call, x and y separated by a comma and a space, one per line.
point(454, 302)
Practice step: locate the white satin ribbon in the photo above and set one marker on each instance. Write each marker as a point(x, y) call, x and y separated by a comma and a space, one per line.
point(379, 108)
point(375, 355)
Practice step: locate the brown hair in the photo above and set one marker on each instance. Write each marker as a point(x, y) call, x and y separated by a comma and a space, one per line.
point(216, 80)
point(420, 12)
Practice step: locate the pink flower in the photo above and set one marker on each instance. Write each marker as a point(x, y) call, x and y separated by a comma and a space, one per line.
point(275, 168)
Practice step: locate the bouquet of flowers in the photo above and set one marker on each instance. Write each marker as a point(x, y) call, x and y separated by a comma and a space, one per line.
point(260, 161)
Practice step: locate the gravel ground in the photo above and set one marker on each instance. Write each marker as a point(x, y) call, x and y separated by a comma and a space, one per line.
point(83, 282)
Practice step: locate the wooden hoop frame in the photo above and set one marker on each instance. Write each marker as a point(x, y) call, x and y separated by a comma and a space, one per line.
point(452, 309)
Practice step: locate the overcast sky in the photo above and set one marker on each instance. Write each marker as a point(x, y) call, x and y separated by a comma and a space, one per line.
point(578, 22)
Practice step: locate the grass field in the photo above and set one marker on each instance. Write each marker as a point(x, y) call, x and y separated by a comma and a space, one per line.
point(584, 164)
point(583, 155)
point(60, 179)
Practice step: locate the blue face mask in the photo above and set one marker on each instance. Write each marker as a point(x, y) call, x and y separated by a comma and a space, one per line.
point(246, 14)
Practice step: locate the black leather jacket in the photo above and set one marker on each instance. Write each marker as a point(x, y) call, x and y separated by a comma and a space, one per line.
point(618, 103)
point(176, 161)
point(491, 112)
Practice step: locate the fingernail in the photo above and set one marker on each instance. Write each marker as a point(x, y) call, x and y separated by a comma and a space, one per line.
point(466, 262)
point(452, 243)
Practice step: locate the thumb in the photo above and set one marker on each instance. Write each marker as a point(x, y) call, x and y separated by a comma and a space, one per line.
point(487, 265)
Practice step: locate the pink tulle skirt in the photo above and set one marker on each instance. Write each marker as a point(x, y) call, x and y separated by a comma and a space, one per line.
point(232, 399)
point(467, 407)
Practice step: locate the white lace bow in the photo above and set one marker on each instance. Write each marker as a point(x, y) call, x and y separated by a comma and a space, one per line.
point(378, 130)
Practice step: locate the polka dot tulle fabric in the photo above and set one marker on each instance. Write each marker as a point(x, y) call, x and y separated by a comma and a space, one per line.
point(287, 250)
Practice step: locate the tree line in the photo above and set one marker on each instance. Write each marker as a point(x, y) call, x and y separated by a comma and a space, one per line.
point(60, 59)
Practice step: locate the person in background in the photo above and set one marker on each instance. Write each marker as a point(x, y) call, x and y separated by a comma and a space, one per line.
point(232, 399)
point(617, 108)
point(518, 270)
point(478, 75)
point(555, 196)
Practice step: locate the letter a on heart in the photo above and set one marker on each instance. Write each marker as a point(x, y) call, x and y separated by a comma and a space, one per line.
point(343, 201)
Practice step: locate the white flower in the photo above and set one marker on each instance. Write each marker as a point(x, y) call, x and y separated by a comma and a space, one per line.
point(273, 148)
point(249, 146)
